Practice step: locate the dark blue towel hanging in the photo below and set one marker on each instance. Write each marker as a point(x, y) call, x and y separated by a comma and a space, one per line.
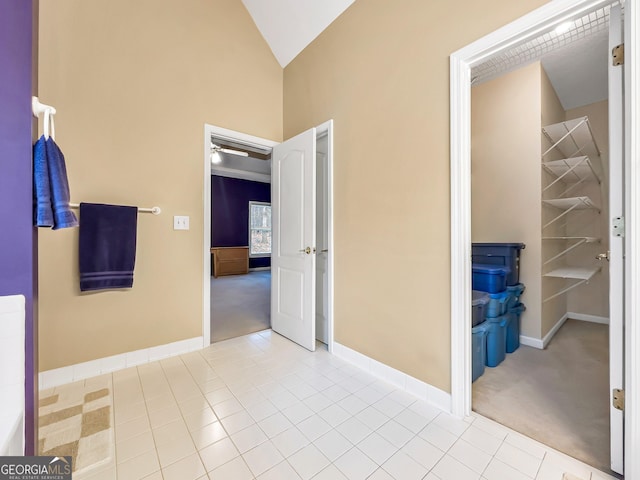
point(60, 196)
point(107, 246)
point(43, 215)
point(51, 186)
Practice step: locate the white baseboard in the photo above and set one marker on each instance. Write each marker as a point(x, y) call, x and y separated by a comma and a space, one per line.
point(259, 269)
point(542, 344)
point(80, 371)
point(409, 384)
point(531, 342)
point(588, 318)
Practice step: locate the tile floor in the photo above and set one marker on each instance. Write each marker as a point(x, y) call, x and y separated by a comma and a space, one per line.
point(261, 407)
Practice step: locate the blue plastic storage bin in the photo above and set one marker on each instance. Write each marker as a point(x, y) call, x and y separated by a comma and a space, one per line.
point(505, 254)
point(496, 340)
point(479, 353)
point(479, 302)
point(498, 304)
point(513, 329)
point(515, 291)
point(489, 278)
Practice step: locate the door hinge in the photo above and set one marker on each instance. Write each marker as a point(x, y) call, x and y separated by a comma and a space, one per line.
point(618, 399)
point(617, 226)
point(617, 55)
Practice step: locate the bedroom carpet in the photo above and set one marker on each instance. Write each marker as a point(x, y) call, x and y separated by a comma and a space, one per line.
point(240, 304)
point(558, 396)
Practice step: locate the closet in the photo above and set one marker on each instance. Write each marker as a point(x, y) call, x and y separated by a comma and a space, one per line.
point(540, 176)
point(571, 214)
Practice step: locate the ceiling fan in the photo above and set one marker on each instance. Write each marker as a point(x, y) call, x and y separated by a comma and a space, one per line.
point(217, 149)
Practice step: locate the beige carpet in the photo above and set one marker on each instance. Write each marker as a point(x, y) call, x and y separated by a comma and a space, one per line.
point(558, 396)
point(240, 304)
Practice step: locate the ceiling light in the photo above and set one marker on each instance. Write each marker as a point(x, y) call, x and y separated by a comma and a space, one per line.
point(563, 28)
point(215, 157)
point(217, 148)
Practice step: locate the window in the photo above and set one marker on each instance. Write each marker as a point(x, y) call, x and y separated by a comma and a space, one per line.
point(259, 229)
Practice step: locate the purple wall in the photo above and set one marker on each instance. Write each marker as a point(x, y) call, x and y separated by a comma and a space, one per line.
point(230, 212)
point(18, 240)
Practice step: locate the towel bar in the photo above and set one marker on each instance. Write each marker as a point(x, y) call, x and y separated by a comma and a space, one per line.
point(154, 210)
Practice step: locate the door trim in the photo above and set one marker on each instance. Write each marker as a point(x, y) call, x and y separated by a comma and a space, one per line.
point(324, 128)
point(461, 61)
point(632, 239)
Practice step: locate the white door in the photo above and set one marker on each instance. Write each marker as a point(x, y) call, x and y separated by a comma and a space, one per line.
point(293, 259)
point(616, 243)
point(322, 243)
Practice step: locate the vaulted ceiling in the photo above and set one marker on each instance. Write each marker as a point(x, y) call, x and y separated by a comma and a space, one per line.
point(289, 26)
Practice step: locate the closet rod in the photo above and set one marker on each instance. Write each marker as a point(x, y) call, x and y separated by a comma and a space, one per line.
point(154, 210)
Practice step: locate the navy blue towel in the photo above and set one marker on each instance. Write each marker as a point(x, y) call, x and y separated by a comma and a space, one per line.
point(43, 215)
point(107, 246)
point(63, 216)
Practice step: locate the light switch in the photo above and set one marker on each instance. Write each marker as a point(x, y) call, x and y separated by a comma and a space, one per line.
point(180, 222)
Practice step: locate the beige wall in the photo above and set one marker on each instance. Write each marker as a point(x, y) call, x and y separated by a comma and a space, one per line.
point(593, 298)
point(505, 174)
point(381, 71)
point(134, 83)
point(551, 112)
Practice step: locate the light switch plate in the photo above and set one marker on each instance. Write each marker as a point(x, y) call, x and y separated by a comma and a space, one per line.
point(180, 222)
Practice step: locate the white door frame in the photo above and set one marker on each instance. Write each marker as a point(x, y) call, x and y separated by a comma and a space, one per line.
point(616, 245)
point(210, 130)
point(322, 129)
point(461, 62)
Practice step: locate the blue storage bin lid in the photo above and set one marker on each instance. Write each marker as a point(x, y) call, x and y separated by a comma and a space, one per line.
point(520, 246)
point(501, 321)
point(481, 328)
point(504, 295)
point(517, 287)
point(518, 308)
point(479, 298)
point(490, 269)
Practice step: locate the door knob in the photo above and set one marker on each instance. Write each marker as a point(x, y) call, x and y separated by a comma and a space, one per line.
point(603, 256)
point(306, 250)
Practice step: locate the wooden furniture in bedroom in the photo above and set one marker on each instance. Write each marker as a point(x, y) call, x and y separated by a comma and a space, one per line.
point(229, 260)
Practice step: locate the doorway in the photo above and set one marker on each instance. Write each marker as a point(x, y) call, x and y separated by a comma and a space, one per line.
point(323, 216)
point(540, 21)
point(240, 239)
point(561, 324)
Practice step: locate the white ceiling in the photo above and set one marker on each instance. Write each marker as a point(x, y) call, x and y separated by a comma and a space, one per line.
point(579, 72)
point(575, 60)
point(289, 26)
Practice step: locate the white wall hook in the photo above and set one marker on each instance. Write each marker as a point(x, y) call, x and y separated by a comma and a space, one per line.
point(38, 108)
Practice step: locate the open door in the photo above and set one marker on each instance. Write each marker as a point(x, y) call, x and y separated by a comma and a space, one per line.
point(293, 258)
point(616, 241)
point(322, 235)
